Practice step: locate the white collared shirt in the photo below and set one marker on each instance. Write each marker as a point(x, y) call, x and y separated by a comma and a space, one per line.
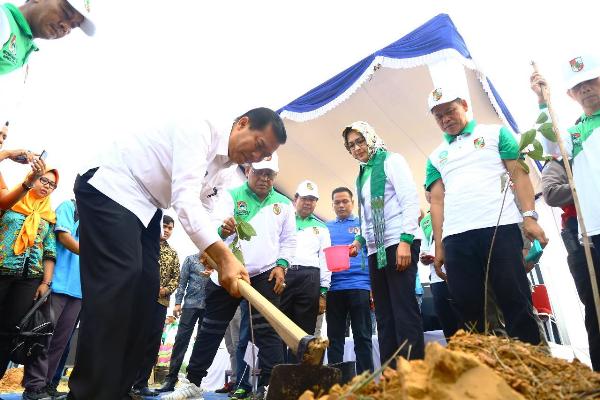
point(177, 164)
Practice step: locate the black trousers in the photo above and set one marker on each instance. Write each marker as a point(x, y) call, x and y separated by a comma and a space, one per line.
point(442, 303)
point(579, 270)
point(340, 304)
point(396, 308)
point(16, 298)
point(300, 300)
point(120, 280)
point(157, 325)
point(466, 256)
point(220, 308)
point(187, 321)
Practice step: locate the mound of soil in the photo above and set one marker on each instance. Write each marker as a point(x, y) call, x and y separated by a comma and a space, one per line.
point(475, 367)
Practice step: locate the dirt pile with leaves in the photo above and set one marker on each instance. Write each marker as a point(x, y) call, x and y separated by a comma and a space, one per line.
point(475, 367)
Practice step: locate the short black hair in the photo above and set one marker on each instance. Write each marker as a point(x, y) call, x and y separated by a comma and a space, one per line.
point(168, 220)
point(342, 189)
point(261, 117)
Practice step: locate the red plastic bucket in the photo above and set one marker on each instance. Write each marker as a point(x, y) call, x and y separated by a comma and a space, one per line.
point(338, 258)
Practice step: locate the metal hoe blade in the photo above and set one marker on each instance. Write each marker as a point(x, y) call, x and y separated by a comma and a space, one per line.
point(289, 381)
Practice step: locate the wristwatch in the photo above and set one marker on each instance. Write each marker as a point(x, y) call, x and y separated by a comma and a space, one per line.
point(27, 186)
point(532, 214)
point(49, 284)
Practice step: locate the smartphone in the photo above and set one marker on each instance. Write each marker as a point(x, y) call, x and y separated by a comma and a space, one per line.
point(43, 155)
point(535, 253)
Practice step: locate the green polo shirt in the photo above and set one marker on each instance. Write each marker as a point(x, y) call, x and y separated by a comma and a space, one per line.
point(17, 40)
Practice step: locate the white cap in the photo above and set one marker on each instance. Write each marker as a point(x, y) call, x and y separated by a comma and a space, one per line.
point(581, 68)
point(308, 188)
point(271, 162)
point(442, 95)
point(83, 7)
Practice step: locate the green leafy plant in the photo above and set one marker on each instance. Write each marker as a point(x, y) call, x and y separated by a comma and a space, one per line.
point(244, 231)
point(531, 147)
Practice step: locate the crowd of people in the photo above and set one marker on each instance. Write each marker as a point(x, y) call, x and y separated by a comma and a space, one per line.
point(105, 255)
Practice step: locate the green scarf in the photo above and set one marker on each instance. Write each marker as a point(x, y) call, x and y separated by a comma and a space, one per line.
point(374, 168)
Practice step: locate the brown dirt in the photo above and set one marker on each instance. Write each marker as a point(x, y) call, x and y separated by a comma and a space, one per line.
point(529, 369)
point(476, 367)
point(11, 382)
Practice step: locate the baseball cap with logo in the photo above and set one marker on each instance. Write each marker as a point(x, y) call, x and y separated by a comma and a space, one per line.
point(271, 162)
point(308, 188)
point(442, 95)
point(83, 7)
point(581, 68)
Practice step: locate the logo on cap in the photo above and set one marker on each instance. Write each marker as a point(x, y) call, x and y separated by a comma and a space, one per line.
point(576, 64)
point(309, 186)
point(436, 94)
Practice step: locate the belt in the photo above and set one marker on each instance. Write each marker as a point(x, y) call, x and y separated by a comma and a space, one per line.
point(298, 267)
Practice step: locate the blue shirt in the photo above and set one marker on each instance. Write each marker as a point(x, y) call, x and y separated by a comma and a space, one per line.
point(66, 278)
point(343, 232)
point(192, 283)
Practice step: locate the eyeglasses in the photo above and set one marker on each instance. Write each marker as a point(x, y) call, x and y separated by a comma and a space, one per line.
point(357, 143)
point(265, 173)
point(47, 182)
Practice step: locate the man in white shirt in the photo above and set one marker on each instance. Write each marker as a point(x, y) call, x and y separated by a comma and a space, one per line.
point(307, 278)
point(266, 256)
point(119, 201)
point(464, 174)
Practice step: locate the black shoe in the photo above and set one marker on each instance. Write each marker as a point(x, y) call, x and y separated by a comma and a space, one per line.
point(54, 393)
point(36, 394)
point(168, 386)
point(144, 392)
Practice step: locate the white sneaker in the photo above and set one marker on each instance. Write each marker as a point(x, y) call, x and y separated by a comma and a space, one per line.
point(185, 391)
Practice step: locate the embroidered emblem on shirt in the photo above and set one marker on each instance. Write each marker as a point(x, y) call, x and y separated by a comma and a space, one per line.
point(576, 64)
point(242, 208)
point(436, 94)
point(315, 230)
point(576, 137)
point(354, 230)
point(443, 156)
point(12, 46)
point(86, 4)
point(276, 209)
point(479, 143)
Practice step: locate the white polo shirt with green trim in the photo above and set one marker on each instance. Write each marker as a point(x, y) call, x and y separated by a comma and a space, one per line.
point(471, 168)
point(312, 238)
point(582, 143)
point(274, 221)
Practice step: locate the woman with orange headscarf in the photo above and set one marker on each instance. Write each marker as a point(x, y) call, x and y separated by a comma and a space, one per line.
point(27, 256)
point(8, 198)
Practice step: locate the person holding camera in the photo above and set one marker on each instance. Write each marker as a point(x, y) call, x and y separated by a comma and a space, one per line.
point(27, 257)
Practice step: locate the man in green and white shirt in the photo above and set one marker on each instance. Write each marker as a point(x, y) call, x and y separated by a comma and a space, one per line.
point(266, 256)
point(308, 277)
point(582, 141)
point(465, 175)
point(19, 26)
